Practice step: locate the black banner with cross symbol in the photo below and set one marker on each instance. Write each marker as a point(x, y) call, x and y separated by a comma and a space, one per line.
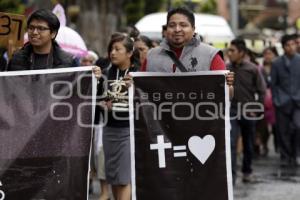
point(180, 142)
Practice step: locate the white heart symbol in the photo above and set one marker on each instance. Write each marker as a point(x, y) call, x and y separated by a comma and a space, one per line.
point(202, 148)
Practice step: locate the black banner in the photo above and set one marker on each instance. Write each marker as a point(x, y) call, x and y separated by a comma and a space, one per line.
point(45, 134)
point(180, 137)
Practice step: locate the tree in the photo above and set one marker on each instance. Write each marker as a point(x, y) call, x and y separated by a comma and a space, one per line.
point(209, 6)
point(98, 20)
point(12, 6)
point(135, 10)
point(151, 7)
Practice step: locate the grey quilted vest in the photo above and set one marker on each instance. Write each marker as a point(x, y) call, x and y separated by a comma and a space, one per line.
point(195, 56)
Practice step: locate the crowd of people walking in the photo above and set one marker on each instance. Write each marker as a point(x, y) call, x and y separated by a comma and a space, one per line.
point(270, 89)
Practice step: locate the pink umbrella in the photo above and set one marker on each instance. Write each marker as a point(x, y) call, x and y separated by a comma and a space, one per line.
point(69, 40)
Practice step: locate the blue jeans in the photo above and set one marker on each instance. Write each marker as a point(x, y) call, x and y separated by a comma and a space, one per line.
point(247, 129)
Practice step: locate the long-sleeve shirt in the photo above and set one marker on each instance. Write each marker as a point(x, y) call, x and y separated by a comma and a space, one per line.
point(249, 85)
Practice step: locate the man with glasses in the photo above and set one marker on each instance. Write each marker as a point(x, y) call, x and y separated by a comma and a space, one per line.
point(41, 52)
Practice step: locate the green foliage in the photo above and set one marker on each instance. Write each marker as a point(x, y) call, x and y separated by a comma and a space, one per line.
point(134, 11)
point(151, 7)
point(12, 6)
point(178, 3)
point(209, 6)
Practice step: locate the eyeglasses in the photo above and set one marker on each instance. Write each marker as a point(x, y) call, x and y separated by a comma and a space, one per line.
point(39, 29)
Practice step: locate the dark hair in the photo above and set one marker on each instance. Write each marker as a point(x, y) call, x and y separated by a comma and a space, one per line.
point(240, 44)
point(127, 41)
point(164, 28)
point(3, 61)
point(131, 31)
point(146, 40)
point(252, 56)
point(117, 34)
point(128, 44)
point(295, 36)
point(286, 38)
point(184, 11)
point(47, 16)
point(272, 49)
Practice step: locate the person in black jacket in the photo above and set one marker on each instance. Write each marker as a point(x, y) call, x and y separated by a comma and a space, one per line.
point(246, 106)
point(116, 140)
point(3, 61)
point(41, 52)
point(285, 86)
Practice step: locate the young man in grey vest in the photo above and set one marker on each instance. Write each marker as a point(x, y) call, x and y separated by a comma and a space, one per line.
point(182, 42)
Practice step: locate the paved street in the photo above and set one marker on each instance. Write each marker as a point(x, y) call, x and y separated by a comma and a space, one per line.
point(273, 183)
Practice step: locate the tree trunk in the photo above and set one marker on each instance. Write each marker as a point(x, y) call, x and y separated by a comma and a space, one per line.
point(98, 19)
point(46, 4)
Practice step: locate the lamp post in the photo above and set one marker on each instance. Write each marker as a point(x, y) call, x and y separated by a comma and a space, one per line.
point(285, 15)
point(169, 4)
point(234, 15)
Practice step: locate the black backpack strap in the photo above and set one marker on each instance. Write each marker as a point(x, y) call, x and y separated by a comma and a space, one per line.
point(176, 61)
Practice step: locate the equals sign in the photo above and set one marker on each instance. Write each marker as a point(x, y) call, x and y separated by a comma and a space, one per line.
point(180, 148)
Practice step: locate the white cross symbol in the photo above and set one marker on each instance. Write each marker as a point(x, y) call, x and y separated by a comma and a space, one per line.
point(160, 146)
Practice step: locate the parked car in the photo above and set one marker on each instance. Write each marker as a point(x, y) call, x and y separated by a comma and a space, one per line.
point(214, 29)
